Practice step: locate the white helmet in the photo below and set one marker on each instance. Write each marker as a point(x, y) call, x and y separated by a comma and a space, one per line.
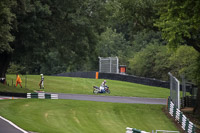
point(41, 74)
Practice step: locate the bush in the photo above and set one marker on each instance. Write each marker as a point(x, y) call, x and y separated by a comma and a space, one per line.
point(151, 62)
point(14, 68)
point(156, 61)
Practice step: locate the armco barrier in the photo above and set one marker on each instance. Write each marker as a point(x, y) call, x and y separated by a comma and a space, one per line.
point(120, 77)
point(13, 94)
point(78, 74)
point(42, 96)
point(54, 96)
point(134, 79)
point(186, 125)
point(133, 130)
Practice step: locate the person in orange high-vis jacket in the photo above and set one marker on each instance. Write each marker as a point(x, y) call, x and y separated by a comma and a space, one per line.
point(18, 80)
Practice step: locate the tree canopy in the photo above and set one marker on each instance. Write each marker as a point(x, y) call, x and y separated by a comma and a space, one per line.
point(57, 36)
point(6, 20)
point(180, 23)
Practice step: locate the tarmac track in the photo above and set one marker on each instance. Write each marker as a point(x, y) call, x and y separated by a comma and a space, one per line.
point(8, 127)
point(113, 99)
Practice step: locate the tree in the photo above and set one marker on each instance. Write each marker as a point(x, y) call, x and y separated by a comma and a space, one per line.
point(32, 33)
point(180, 24)
point(183, 62)
point(79, 23)
point(111, 43)
point(62, 34)
point(6, 22)
point(144, 38)
point(134, 16)
point(151, 62)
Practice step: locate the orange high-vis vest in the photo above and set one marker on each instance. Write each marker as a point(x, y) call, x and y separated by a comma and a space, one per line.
point(18, 79)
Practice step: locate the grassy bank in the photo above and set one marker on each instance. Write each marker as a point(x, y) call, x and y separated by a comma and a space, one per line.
point(5, 88)
point(84, 86)
point(73, 116)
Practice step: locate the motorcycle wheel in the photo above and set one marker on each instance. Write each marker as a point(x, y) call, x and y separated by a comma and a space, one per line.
point(108, 91)
point(95, 91)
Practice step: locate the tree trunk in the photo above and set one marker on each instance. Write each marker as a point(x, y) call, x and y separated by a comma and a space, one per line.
point(197, 107)
point(4, 63)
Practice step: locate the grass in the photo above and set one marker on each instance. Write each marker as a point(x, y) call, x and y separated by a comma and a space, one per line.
point(70, 116)
point(5, 88)
point(73, 116)
point(84, 86)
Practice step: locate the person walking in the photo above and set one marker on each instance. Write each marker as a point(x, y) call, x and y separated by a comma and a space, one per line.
point(41, 84)
point(18, 80)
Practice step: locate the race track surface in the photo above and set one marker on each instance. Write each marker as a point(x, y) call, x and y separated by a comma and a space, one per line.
point(113, 99)
point(7, 126)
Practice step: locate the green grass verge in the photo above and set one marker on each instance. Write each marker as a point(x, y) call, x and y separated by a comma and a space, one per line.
point(73, 116)
point(85, 86)
point(5, 88)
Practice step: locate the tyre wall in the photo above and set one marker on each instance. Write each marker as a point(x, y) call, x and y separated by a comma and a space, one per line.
point(120, 77)
point(78, 74)
point(12, 94)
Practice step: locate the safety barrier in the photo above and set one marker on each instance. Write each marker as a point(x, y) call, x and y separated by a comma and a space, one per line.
point(12, 94)
point(120, 77)
point(133, 130)
point(42, 96)
point(186, 125)
point(165, 131)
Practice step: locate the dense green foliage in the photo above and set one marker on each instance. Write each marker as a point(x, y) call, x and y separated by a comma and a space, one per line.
point(156, 61)
point(111, 44)
point(6, 19)
point(52, 36)
point(134, 16)
point(151, 62)
point(180, 23)
point(184, 62)
point(64, 116)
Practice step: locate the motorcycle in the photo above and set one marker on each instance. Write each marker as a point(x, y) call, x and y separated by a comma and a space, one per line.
point(96, 90)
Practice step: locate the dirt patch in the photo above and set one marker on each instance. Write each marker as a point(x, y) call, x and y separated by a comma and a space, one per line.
point(46, 115)
point(77, 120)
point(26, 105)
point(187, 109)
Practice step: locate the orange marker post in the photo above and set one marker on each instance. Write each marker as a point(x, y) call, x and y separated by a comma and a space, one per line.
point(97, 75)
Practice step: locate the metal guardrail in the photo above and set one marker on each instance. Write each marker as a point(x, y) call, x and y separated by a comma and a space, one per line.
point(42, 96)
point(185, 123)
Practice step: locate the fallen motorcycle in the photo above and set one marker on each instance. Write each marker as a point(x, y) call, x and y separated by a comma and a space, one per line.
point(96, 90)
